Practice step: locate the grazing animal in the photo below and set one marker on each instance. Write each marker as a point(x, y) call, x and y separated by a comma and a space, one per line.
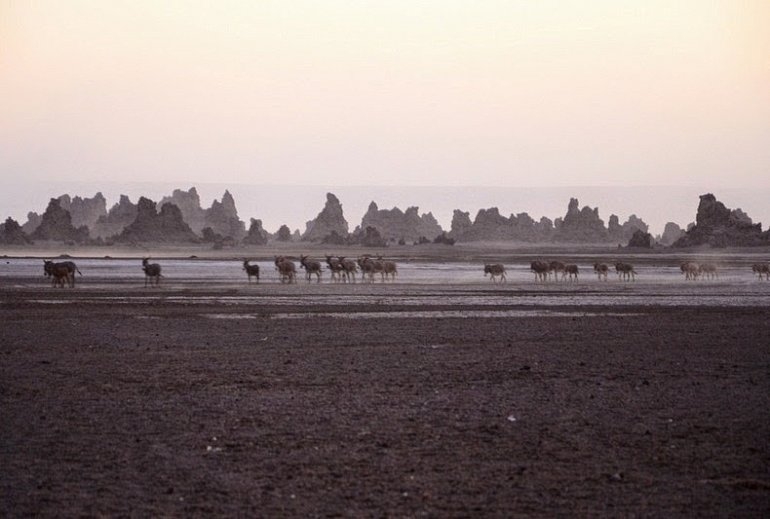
point(572, 270)
point(349, 268)
point(626, 270)
point(151, 271)
point(556, 267)
point(708, 271)
point(541, 269)
point(336, 268)
point(494, 270)
point(761, 269)
point(311, 267)
point(388, 268)
point(690, 270)
point(286, 269)
point(251, 270)
point(601, 270)
point(55, 270)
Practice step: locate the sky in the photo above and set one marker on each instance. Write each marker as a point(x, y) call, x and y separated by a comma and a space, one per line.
point(397, 93)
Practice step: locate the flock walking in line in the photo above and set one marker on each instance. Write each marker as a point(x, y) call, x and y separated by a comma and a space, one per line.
point(368, 268)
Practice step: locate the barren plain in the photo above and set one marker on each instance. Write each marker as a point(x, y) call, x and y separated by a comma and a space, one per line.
point(439, 394)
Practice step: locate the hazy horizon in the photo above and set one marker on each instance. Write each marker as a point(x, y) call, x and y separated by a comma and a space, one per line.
point(607, 95)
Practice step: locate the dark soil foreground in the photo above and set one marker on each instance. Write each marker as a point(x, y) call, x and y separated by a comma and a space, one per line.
point(134, 409)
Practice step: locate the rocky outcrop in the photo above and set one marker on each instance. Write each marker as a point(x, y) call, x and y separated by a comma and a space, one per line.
point(580, 225)
point(640, 240)
point(671, 233)
point(189, 203)
point(223, 219)
point(490, 225)
point(120, 216)
point(12, 234)
point(443, 239)
point(525, 228)
point(335, 239)
point(718, 226)
point(367, 237)
point(32, 223)
point(256, 235)
point(151, 226)
point(622, 233)
point(461, 223)
point(84, 211)
point(56, 225)
point(330, 219)
point(545, 229)
point(283, 234)
point(395, 224)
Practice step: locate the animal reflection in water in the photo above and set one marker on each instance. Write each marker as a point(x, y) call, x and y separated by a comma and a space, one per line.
point(601, 270)
point(708, 271)
point(61, 272)
point(761, 269)
point(151, 272)
point(690, 269)
point(495, 270)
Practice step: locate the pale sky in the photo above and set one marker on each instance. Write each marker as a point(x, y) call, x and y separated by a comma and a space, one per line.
point(387, 92)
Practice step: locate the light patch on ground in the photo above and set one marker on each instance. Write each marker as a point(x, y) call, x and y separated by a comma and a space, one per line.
point(422, 314)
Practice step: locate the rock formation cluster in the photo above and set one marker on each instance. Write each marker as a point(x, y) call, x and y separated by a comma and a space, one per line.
point(256, 235)
point(330, 219)
point(179, 218)
point(671, 233)
point(11, 233)
point(120, 216)
point(166, 226)
point(396, 225)
point(56, 224)
point(718, 226)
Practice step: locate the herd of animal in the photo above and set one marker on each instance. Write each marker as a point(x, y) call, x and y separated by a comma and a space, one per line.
point(341, 269)
point(345, 270)
point(558, 271)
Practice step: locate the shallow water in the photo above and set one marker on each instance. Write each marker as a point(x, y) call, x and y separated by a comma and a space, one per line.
point(420, 314)
point(192, 270)
point(223, 282)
